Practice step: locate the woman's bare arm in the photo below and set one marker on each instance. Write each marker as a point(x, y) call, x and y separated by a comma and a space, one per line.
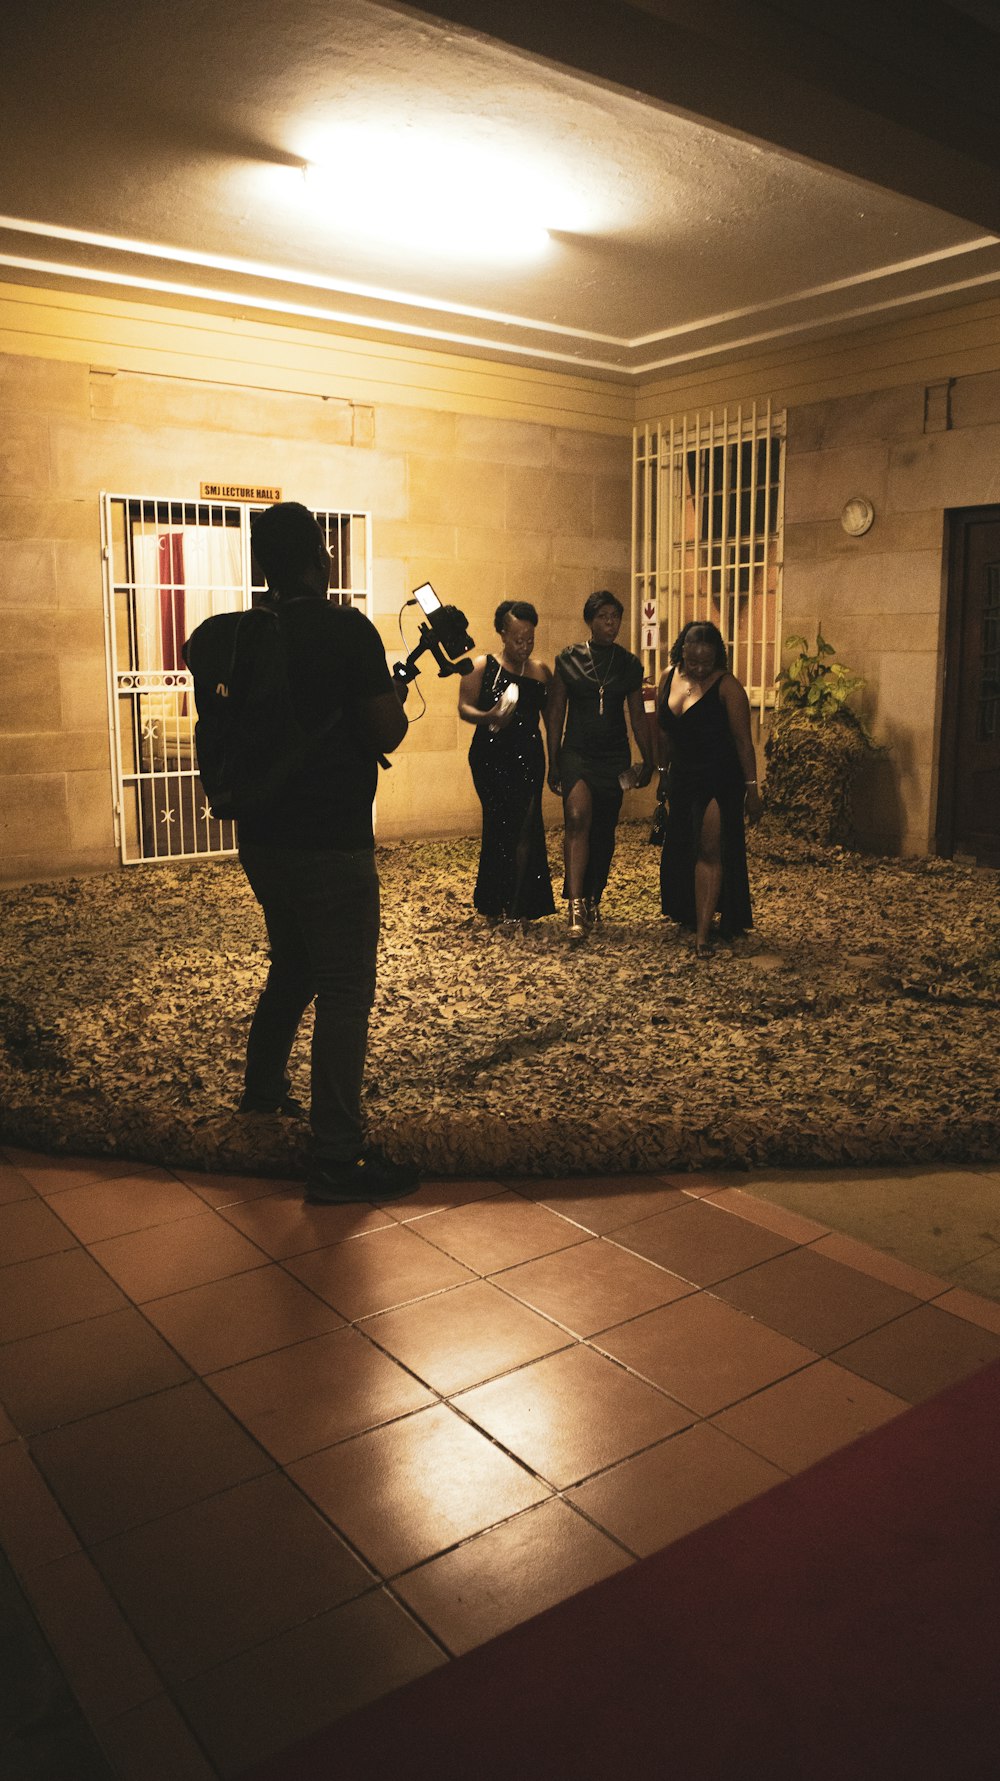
point(555, 718)
point(469, 688)
point(640, 730)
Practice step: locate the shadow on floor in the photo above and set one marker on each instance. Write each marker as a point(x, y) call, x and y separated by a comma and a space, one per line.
point(43, 1735)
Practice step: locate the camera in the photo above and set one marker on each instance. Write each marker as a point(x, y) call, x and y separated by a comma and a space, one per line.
point(445, 633)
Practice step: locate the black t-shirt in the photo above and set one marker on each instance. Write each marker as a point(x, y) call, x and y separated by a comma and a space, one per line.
point(335, 660)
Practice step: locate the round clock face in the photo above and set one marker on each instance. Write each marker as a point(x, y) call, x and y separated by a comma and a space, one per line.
point(857, 515)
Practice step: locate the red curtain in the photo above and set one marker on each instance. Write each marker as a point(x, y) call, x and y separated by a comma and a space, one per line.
point(171, 574)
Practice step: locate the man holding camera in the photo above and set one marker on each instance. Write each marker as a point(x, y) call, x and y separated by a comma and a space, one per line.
point(309, 855)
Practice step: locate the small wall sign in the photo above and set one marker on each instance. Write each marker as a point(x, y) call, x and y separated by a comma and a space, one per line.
point(239, 491)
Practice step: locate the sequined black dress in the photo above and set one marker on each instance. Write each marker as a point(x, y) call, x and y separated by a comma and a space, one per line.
point(704, 765)
point(508, 771)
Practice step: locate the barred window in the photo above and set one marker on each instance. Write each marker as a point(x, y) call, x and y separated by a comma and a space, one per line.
point(707, 536)
point(169, 564)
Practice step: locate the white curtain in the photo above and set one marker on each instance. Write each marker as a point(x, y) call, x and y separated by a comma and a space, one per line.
point(183, 574)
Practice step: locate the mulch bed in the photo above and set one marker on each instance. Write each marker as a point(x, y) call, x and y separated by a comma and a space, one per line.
point(858, 1024)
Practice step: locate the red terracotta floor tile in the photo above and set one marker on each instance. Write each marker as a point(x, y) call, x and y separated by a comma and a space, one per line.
point(967, 1305)
point(764, 1212)
point(509, 1574)
point(13, 1185)
point(54, 1174)
point(283, 1225)
point(228, 1321)
point(125, 1203)
point(28, 1229)
point(572, 1414)
point(672, 1488)
point(376, 1271)
point(499, 1233)
point(703, 1353)
point(317, 1392)
point(152, 1743)
point(128, 1465)
point(814, 1300)
point(879, 1266)
point(462, 1337)
point(701, 1242)
point(704, 1182)
point(257, 1704)
point(33, 1528)
point(219, 1190)
point(51, 1291)
point(64, 1374)
point(188, 1252)
point(7, 1430)
point(920, 1354)
point(803, 1418)
point(602, 1203)
point(212, 1579)
point(444, 1196)
point(403, 1493)
point(96, 1649)
point(591, 1286)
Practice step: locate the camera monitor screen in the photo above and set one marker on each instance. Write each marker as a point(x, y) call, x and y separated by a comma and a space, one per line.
point(426, 598)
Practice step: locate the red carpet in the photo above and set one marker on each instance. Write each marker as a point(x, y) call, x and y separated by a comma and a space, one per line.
point(845, 1625)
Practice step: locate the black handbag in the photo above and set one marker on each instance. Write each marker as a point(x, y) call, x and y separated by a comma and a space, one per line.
point(658, 833)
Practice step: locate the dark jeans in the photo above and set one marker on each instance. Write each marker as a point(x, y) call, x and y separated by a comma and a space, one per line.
point(321, 908)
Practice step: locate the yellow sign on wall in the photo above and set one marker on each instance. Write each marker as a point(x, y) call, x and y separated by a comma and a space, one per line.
point(238, 491)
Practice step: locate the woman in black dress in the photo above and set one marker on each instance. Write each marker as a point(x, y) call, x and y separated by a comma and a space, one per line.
point(703, 715)
point(504, 697)
point(589, 765)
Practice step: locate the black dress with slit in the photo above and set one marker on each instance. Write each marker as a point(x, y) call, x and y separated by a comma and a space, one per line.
point(704, 765)
point(598, 679)
point(508, 771)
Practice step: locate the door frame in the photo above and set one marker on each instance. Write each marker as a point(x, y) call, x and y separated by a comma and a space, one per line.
point(957, 520)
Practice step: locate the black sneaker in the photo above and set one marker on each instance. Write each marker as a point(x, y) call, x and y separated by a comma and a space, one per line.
point(288, 1107)
point(368, 1176)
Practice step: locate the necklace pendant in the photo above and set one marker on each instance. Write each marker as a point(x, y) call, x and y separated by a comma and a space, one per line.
point(600, 703)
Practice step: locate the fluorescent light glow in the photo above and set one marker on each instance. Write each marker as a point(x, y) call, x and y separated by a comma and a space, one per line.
point(429, 195)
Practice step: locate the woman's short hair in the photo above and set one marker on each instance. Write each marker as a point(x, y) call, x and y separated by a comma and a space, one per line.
point(700, 630)
point(596, 601)
point(521, 609)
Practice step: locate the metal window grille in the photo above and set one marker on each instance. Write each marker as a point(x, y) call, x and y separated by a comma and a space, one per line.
point(169, 564)
point(707, 512)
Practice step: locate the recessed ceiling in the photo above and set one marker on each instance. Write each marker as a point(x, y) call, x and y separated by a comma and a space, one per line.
point(158, 148)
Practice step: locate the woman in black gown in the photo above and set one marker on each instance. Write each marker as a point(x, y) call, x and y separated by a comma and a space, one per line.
point(594, 682)
point(504, 697)
point(704, 727)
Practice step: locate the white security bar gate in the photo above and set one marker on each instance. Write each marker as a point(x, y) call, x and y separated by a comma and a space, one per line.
point(707, 513)
point(168, 564)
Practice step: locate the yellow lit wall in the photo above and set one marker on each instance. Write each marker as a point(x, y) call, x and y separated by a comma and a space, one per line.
point(490, 481)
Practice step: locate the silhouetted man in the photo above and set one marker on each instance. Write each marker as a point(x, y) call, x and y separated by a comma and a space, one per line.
point(309, 854)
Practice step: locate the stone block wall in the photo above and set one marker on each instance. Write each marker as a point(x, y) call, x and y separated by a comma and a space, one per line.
point(915, 452)
point(485, 508)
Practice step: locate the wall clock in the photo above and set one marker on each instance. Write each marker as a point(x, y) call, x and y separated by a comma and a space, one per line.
point(857, 515)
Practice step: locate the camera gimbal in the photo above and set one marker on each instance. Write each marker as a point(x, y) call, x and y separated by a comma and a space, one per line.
point(445, 633)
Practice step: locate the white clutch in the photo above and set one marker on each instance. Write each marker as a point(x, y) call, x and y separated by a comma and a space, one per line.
point(504, 705)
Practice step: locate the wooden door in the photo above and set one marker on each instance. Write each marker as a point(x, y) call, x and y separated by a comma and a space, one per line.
point(969, 802)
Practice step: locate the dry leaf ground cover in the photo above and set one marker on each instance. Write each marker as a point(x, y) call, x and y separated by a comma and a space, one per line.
point(858, 1023)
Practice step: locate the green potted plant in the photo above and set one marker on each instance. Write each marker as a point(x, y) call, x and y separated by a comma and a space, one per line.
point(815, 745)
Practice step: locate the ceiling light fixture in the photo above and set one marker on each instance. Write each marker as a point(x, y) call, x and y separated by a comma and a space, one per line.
point(416, 192)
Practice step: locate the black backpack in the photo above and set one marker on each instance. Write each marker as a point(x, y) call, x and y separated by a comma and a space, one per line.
point(248, 737)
